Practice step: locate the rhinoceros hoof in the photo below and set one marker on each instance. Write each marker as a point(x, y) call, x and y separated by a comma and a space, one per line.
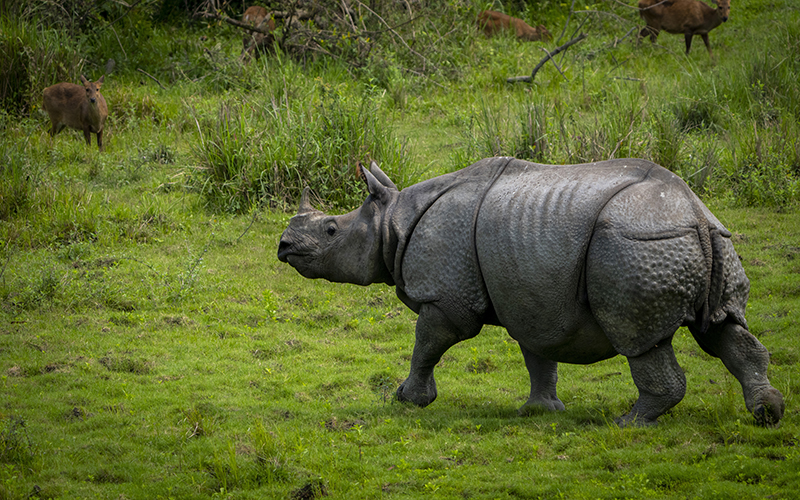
point(419, 398)
point(769, 410)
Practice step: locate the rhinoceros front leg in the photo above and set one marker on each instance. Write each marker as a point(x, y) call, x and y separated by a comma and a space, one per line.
point(544, 376)
point(747, 359)
point(435, 334)
point(660, 381)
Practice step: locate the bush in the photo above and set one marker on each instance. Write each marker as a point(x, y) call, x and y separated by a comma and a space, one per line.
point(265, 154)
point(32, 58)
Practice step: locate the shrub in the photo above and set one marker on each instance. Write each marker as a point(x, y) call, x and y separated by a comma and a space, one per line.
point(266, 154)
point(32, 58)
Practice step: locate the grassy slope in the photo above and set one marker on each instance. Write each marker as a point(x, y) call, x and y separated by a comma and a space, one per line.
point(172, 356)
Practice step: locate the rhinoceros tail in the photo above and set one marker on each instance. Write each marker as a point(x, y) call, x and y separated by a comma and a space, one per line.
point(712, 243)
point(714, 260)
point(716, 287)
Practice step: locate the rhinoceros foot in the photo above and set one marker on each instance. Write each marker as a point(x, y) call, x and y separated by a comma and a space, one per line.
point(421, 394)
point(635, 420)
point(768, 411)
point(539, 406)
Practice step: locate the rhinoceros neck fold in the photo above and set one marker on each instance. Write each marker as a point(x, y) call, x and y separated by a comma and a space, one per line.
point(414, 201)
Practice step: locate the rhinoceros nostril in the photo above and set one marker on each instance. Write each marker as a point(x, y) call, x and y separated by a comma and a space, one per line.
point(283, 249)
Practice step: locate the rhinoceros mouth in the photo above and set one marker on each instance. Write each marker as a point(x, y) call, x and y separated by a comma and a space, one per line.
point(283, 255)
point(285, 249)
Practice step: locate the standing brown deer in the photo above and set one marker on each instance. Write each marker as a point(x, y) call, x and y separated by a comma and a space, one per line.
point(79, 107)
point(492, 22)
point(252, 44)
point(687, 17)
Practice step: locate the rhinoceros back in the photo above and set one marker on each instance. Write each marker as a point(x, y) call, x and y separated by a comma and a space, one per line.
point(532, 235)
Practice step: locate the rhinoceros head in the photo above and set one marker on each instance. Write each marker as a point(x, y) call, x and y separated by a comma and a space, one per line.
point(342, 248)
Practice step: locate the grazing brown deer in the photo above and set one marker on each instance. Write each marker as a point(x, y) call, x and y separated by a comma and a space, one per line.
point(79, 107)
point(687, 17)
point(492, 22)
point(254, 43)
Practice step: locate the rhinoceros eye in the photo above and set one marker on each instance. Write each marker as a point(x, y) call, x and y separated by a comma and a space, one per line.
point(331, 230)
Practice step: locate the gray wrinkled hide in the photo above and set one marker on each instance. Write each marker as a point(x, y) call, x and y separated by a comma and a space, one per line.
point(578, 262)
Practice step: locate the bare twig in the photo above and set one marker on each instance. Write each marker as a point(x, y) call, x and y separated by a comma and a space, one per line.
point(630, 130)
point(255, 212)
point(140, 70)
point(604, 13)
point(130, 8)
point(399, 37)
point(549, 56)
point(644, 8)
point(119, 42)
point(555, 64)
point(566, 23)
point(235, 22)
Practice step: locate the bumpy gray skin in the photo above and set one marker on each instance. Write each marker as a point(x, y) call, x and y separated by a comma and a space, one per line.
point(578, 262)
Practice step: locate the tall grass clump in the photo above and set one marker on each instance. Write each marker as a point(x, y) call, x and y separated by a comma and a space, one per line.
point(32, 57)
point(265, 153)
point(18, 180)
point(555, 132)
point(764, 168)
point(763, 165)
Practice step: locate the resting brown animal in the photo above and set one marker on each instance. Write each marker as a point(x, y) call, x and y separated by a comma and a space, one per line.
point(492, 23)
point(254, 43)
point(254, 14)
point(81, 107)
point(687, 17)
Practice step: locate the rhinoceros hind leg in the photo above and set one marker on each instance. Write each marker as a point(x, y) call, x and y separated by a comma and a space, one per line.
point(747, 359)
point(660, 381)
point(544, 376)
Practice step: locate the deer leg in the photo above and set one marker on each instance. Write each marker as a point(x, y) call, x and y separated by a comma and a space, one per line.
point(650, 31)
point(88, 136)
point(654, 34)
point(688, 38)
point(708, 45)
point(100, 140)
point(544, 376)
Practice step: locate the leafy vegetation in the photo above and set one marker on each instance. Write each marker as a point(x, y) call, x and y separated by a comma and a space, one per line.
point(152, 346)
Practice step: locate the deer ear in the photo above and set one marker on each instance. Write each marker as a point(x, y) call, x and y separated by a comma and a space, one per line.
point(99, 82)
point(84, 80)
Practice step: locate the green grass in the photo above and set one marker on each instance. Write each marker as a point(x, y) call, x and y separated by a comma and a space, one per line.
point(152, 346)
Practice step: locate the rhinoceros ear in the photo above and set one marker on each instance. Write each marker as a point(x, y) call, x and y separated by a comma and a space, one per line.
point(382, 178)
point(305, 205)
point(374, 186)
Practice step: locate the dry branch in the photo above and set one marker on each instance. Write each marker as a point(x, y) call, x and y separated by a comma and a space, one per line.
point(235, 22)
point(140, 70)
point(549, 56)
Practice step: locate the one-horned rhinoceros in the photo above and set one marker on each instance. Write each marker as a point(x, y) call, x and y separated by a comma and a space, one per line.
point(578, 262)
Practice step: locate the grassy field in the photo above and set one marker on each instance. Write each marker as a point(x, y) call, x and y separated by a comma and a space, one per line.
point(153, 347)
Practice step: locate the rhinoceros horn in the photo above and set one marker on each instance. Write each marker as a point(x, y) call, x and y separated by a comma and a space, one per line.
point(305, 205)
